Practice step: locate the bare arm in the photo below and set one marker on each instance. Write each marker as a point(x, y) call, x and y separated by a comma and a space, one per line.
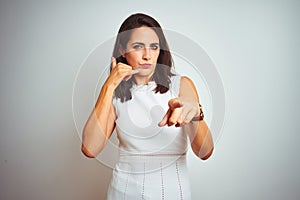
point(101, 122)
point(199, 133)
point(181, 111)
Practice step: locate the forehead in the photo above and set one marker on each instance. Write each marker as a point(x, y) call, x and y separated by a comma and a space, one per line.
point(143, 34)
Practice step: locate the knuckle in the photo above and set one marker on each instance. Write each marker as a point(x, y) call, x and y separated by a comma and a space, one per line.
point(172, 120)
point(180, 121)
point(186, 121)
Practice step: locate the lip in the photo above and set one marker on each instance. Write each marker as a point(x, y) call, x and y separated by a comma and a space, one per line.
point(145, 66)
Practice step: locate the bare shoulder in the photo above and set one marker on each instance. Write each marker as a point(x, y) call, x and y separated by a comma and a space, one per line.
point(186, 81)
point(187, 86)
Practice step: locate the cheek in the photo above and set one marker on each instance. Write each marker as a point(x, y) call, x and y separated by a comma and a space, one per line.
point(155, 55)
point(132, 58)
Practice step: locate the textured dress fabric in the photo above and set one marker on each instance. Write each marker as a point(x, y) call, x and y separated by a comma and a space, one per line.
point(152, 162)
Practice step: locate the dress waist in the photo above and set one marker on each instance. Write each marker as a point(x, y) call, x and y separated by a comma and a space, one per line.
point(147, 155)
point(144, 163)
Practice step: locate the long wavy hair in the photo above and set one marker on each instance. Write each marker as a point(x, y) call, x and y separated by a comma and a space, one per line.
point(162, 72)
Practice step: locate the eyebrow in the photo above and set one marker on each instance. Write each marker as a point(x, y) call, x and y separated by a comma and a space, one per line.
point(143, 43)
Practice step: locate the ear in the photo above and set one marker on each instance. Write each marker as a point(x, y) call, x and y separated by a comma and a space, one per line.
point(122, 51)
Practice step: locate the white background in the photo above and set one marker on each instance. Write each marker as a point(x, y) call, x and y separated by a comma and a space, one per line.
point(254, 45)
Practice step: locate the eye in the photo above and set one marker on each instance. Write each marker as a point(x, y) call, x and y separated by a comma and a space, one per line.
point(154, 46)
point(137, 46)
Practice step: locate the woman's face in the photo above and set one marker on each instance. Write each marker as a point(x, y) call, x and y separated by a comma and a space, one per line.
point(142, 50)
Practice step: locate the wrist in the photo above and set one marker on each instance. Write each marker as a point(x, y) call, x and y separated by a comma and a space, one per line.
point(200, 116)
point(111, 86)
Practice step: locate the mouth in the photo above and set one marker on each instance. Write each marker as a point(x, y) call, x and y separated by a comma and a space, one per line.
point(145, 66)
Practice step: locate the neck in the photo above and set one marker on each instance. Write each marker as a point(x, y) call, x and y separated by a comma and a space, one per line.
point(142, 80)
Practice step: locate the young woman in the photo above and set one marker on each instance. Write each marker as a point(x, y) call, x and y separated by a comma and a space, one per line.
point(154, 112)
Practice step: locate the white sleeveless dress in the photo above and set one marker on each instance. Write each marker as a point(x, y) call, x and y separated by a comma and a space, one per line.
point(152, 163)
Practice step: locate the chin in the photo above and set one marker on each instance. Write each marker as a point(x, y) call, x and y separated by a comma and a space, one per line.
point(146, 73)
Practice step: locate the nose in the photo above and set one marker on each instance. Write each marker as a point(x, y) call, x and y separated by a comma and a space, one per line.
point(147, 54)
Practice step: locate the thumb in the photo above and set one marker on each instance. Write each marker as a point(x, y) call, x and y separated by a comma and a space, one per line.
point(113, 62)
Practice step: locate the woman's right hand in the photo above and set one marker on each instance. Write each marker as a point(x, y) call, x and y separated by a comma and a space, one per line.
point(119, 72)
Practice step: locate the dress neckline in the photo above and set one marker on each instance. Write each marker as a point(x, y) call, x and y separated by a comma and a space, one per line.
point(147, 87)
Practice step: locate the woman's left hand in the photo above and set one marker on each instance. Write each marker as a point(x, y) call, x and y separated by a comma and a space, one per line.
point(180, 112)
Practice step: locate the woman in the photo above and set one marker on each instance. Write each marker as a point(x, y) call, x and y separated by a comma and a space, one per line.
point(153, 110)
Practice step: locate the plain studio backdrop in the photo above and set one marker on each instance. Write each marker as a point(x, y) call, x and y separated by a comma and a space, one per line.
point(253, 44)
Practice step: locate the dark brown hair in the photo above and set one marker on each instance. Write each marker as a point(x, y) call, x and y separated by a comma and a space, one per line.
point(162, 71)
